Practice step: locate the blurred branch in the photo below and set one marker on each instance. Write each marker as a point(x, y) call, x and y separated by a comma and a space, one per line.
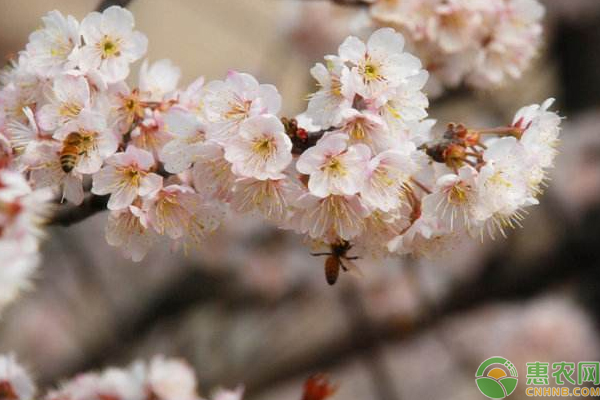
point(353, 3)
point(67, 215)
point(571, 259)
point(104, 4)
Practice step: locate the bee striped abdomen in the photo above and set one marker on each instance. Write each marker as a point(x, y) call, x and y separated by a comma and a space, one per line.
point(68, 158)
point(69, 154)
point(332, 269)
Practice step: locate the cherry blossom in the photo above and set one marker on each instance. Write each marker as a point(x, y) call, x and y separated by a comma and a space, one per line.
point(126, 176)
point(229, 103)
point(325, 105)
point(49, 49)
point(70, 95)
point(171, 379)
point(159, 79)
point(380, 65)
point(15, 382)
point(179, 212)
point(262, 150)
point(334, 167)
point(111, 44)
point(481, 42)
point(362, 168)
point(188, 136)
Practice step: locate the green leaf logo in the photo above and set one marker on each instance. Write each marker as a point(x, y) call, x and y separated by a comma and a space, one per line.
point(496, 378)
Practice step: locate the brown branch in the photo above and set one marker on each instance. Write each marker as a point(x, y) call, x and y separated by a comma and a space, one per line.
point(575, 256)
point(347, 3)
point(104, 4)
point(67, 215)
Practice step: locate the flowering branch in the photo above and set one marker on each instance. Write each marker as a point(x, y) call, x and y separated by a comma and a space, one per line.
point(353, 173)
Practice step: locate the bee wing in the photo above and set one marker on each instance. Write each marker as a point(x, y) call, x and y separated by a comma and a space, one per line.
point(353, 269)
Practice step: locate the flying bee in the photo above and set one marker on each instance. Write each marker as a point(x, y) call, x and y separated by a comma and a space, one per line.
point(74, 146)
point(338, 258)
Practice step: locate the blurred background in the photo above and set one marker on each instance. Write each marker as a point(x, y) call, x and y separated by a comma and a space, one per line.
point(252, 306)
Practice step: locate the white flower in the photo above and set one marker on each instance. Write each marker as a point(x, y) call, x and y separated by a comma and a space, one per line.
point(407, 103)
point(188, 136)
point(49, 48)
point(126, 176)
point(22, 135)
point(512, 43)
point(151, 134)
point(19, 89)
point(381, 64)
point(502, 185)
point(179, 212)
point(367, 128)
point(17, 268)
point(333, 167)
point(159, 80)
point(225, 394)
point(229, 103)
point(331, 218)
point(94, 141)
point(211, 173)
point(262, 150)
point(15, 382)
point(541, 130)
point(170, 379)
point(454, 199)
point(270, 198)
point(388, 173)
point(456, 25)
point(333, 96)
point(22, 210)
point(70, 95)
point(128, 229)
point(423, 237)
point(380, 228)
point(111, 44)
point(192, 98)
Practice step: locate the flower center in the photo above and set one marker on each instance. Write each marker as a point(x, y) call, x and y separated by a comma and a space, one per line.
point(264, 147)
point(457, 194)
point(239, 110)
point(69, 110)
point(358, 131)
point(133, 176)
point(371, 71)
point(335, 166)
point(109, 47)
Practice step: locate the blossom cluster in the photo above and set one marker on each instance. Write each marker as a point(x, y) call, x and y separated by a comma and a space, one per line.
point(359, 168)
point(380, 179)
point(160, 379)
point(479, 42)
point(21, 212)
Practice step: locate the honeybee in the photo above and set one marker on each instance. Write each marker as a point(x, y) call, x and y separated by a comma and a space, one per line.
point(74, 146)
point(337, 258)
